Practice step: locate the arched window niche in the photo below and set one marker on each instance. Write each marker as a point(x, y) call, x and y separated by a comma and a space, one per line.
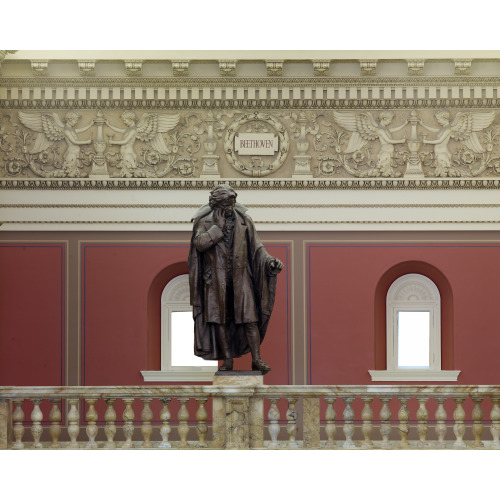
point(413, 332)
point(178, 362)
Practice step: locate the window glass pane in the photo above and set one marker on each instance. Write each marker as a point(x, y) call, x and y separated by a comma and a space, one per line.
point(413, 339)
point(182, 335)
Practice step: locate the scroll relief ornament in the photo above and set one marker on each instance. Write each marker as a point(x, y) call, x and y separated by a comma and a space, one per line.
point(152, 145)
point(470, 154)
point(256, 144)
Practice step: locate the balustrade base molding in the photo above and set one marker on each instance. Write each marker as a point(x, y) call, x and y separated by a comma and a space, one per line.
point(238, 422)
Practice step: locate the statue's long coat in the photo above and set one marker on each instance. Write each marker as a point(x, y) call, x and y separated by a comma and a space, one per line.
point(254, 287)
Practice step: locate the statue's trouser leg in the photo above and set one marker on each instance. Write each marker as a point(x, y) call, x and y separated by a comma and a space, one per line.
point(253, 337)
point(223, 339)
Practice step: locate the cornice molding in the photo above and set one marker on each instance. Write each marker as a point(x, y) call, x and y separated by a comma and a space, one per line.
point(251, 205)
point(278, 222)
point(408, 81)
point(260, 184)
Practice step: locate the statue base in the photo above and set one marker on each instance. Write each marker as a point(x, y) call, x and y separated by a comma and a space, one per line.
point(238, 373)
point(238, 419)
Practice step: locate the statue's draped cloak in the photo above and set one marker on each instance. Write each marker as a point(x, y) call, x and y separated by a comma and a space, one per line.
point(254, 285)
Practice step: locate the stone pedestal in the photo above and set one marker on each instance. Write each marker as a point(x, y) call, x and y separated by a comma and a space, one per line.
point(302, 167)
point(210, 168)
point(238, 419)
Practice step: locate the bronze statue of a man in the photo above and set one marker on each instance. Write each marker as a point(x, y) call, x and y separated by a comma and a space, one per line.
point(232, 282)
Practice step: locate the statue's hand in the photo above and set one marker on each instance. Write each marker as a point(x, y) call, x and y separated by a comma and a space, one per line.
point(275, 265)
point(219, 218)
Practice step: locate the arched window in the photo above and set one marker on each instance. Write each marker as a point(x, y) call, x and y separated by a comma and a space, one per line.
point(178, 362)
point(413, 319)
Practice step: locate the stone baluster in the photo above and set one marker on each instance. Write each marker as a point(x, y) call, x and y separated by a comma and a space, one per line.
point(403, 428)
point(183, 417)
point(330, 428)
point(367, 427)
point(73, 422)
point(147, 417)
point(348, 423)
point(440, 422)
point(201, 428)
point(385, 422)
point(459, 427)
point(55, 427)
point(495, 422)
point(422, 427)
point(128, 426)
point(274, 426)
point(165, 428)
point(36, 428)
point(477, 427)
point(91, 417)
point(291, 428)
point(110, 429)
point(18, 418)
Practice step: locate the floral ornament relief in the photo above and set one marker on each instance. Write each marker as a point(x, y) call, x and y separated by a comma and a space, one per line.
point(154, 145)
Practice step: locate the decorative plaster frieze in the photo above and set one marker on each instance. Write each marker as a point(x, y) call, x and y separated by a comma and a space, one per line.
point(339, 143)
point(227, 67)
point(415, 67)
point(463, 66)
point(86, 67)
point(133, 68)
point(368, 67)
point(274, 67)
point(40, 68)
point(180, 68)
point(321, 67)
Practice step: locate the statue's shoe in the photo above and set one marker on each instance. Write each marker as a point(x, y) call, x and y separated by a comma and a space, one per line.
point(227, 366)
point(260, 366)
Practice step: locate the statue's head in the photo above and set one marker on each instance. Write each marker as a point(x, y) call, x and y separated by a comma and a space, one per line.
point(223, 196)
point(442, 116)
point(386, 117)
point(128, 117)
point(72, 117)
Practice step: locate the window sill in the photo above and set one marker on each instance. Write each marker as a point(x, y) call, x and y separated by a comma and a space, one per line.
point(205, 375)
point(414, 375)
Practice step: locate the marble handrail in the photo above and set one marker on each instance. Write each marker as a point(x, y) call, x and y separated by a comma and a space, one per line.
point(46, 392)
point(327, 416)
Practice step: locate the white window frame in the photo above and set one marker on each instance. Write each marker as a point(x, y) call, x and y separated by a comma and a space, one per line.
point(413, 292)
point(175, 298)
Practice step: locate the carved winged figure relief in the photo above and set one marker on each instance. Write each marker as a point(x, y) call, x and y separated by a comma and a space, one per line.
point(365, 128)
point(463, 128)
point(149, 129)
point(51, 129)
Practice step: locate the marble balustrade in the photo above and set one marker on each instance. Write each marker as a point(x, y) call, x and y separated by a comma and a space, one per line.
point(250, 417)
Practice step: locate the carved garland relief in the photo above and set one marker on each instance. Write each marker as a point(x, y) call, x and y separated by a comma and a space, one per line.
point(336, 144)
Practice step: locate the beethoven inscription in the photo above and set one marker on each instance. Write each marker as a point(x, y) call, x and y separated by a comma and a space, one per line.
point(256, 144)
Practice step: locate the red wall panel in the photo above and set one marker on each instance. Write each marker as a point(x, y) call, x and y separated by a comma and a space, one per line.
point(116, 342)
point(342, 280)
point(32, 313)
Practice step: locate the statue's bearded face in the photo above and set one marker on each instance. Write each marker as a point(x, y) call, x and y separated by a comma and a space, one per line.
point(227, 205)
